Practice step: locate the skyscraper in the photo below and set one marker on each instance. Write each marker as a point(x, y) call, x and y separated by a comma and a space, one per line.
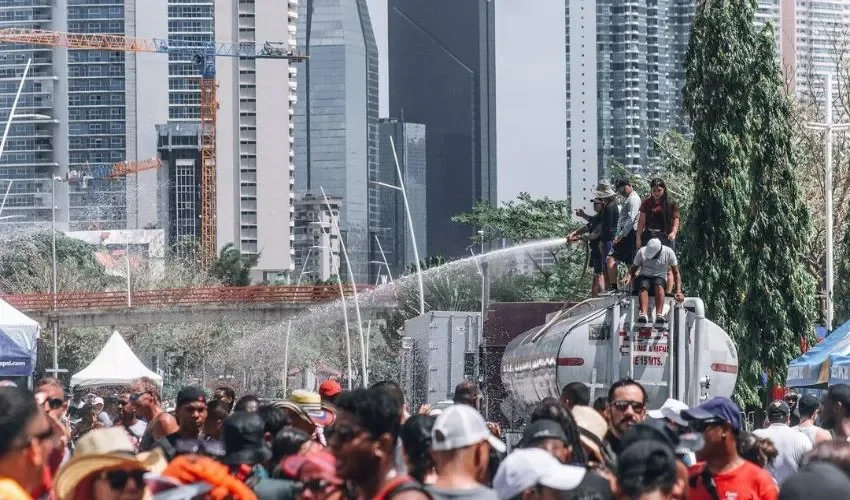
point(442, 75)
point(336, 117)
point(393, 229)
point(92, 108)
point(189, 22)
point(624, 83)
point(254, 136)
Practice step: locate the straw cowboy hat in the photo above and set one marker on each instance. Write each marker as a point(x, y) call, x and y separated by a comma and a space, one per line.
point(322, 414)
point(99, 450)
point(604, 190)
point(592, 429)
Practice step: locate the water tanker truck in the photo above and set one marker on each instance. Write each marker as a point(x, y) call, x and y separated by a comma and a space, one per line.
point(596, 342)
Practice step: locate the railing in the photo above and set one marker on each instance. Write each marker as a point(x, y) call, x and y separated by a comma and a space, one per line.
point(180, 297)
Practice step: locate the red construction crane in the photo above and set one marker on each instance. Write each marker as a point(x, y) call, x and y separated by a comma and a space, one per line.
point(204, 54)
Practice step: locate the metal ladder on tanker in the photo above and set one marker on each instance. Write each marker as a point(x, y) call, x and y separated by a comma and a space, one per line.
point(631, 335)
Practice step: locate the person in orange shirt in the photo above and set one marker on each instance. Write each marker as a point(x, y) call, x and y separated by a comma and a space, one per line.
point(721, 474)
point(27, 440)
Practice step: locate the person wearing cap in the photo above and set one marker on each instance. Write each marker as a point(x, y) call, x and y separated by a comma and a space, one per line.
point(191, 413)
point(671, 413)
point(601, 235)
point(102, 415)
point(649, 273)
point(647, 470)
point(105, 467)
point(145, 395)
point(534, 474)
point(592, 428)
point(76, 403)
point(315, 475)
point(364, 443)
point(460, 445)
point(549, 436)
point(809, 408)
point(721, 472)
point(792, 445)
point(625, 241)
point(835, 411)
point(329, 390)
point(590, 233)
point(247, 453)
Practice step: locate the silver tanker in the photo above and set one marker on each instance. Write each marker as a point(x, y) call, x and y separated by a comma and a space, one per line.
point(595, 343)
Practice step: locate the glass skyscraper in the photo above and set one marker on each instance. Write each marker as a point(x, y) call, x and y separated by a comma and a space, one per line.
point(392, 228)
point(336, 116)
point(190, 22)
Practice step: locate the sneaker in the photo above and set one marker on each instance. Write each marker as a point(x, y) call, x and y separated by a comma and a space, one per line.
point(642, 318)
point(661, 319)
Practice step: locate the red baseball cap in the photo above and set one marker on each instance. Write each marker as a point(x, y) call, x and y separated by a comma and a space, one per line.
point(329, 388)
point(315, 465)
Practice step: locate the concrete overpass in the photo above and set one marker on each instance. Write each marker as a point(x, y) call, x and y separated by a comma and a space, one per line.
point(263, 304)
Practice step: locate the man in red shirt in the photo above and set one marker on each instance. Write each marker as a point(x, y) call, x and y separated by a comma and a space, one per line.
point(721, 473)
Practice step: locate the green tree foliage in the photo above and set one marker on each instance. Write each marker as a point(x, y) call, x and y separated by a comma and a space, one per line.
point(232, 268)
point(719, 79)
point(842, 281)
point(780, 294)
point(26, 264)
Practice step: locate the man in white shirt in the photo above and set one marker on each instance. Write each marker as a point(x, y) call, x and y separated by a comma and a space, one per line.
point(790, 444)
point(623, 249)
point(649, 275)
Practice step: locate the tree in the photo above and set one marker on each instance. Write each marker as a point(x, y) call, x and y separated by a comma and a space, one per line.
point(842, 281)
point(232, 268)
point(779, 299)
point(716, 98)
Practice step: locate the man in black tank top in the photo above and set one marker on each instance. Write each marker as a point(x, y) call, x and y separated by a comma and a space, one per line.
point(145, 396)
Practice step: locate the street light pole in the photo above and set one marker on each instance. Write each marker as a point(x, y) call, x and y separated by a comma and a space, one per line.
point(353, 287)
point(383, 255)
point(14, 107)
point(53, 245)
point(828, 127)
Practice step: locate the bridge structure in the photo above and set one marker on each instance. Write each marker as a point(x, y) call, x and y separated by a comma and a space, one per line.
point(262, 304)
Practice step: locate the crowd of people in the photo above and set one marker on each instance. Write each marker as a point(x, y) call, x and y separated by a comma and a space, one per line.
point(363, 444)
point(640, 235)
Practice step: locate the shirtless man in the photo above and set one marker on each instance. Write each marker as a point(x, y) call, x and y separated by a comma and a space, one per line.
point(144, 393)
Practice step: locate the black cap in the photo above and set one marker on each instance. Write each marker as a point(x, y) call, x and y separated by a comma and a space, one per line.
point(243, 434)
point(190, 394)
point(542, 429)
point(779, 409)
point(651, 430)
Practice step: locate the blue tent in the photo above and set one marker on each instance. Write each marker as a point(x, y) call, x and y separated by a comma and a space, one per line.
point(18, 336)
point(812, 368)
point(839, 369)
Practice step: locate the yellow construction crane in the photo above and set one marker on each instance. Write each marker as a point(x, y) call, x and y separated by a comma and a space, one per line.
point(204, 54)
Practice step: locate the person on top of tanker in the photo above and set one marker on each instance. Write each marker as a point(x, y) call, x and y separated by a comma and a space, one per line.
point(649, 277)
point(599, 233)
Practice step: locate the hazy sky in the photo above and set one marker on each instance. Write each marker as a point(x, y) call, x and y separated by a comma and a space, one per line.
point(531, 123)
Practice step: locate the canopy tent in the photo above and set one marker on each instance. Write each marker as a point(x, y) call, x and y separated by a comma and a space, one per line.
point(115, 365)
point(812, 369)
point(839, 369)
point(18, 342)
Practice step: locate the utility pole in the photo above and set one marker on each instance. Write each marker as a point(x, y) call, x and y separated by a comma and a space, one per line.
point(828, 127)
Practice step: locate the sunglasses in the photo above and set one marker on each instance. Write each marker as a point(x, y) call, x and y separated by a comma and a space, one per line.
point(54, 403)
point(622, 405)
point(316, 486)
point(118, 478)
point(703, 425)
point(138, 395)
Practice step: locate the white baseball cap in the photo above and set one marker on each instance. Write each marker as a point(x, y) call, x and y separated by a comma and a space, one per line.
point(671, 410)
point(460, 426)
point(528, 467)
point(97, 401)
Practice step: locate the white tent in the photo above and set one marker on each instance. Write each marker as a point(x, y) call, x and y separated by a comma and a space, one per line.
point(115, 365)
point(18, 336)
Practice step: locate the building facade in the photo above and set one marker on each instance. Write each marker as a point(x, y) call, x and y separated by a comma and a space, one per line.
point(624, 81)
point(254, 184)
point(189, 22)
point(179, 148)
point(391, 238)
point(317, 238)
point(336, 117)
point(82, 109)
point(442, 75)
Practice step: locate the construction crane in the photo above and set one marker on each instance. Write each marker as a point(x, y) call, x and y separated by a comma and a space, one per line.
point(112, 171)
point(204, 55)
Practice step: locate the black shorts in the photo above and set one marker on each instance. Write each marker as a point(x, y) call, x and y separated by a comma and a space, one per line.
point(624, 251)
point(648, 283)
point(648, 235)
point(599, 251)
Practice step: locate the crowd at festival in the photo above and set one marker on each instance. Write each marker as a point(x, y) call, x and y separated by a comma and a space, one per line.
point(364, 444)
